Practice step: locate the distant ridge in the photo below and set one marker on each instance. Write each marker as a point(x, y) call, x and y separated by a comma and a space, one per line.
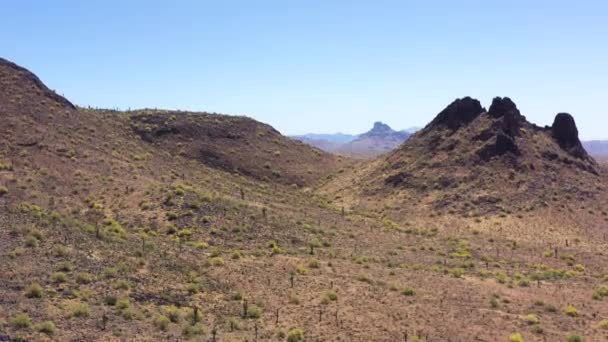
point(378, 140)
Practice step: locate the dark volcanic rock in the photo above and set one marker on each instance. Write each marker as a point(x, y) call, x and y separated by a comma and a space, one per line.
point(501, 106)
point(564, 131)
point(503, 144)
point(459, 113)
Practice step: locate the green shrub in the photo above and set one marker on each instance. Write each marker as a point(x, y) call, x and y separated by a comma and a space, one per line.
point(84, 278)
point(301, 269)
point(550, 308)
point(110, 273)
point(46, 327)
point(217, 261)
point(61, 251)
point(59, 277)
point(537, 329)
point(600, 293)
point(123, 304)
point(314, 263)
point(110, 300)
point(295, 335)
point(408, 292)
point(233, 324)
point(516, 337)
point(79, 310)
point(571, 311)
point(21, 321)
point(34, 291)
point(193, 330)
point(31, 241)
point(575, 338)
point(331, 296)
point(173, 313)
point(531, 319)
point(603, 324)
point(254, 311)
point(3, 190)
point(65, 266)
point(121, 284)
point(236, 255)
point(162, 322)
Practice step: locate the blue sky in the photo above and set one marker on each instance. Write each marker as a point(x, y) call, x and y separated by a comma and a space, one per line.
point(319, 66)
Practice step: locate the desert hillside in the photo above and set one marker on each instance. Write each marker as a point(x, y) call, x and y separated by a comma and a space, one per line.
point(156, 225)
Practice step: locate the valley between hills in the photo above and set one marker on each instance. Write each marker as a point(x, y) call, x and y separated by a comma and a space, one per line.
point(164, 225)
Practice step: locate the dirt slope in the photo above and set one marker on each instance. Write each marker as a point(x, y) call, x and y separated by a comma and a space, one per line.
point(107, 234)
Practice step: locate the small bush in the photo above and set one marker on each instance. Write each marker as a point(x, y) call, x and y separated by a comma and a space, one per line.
point(571, 311)
point(331, 296)
point(575, 338)
point(110, 273)
point(3, 190)
point(233, 324)
point(531, 319)
point(217, 261)
point(46, 327)
point(537, 329)
point(110, 300)
point(408, 292)
point(59, 277)
point(121, 284)
point(65, 267)
point(173, 313)
point(600, 293)
point(123, 304)
point(193, 330)
point(61, 251)
point(236, 255)
point(301, 269)
point(314, 263)
point(84, 278)
point(516, 337)
point(295, 335)
point(254, 311)
point(162, 322)
point(603, 324)
point(21, 321)
point(31, 241)
point(550, 308)
point(34, 291)
point(79, 310)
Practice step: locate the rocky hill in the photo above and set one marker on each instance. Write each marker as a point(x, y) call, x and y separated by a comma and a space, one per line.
point(168, 226)
point(471, 160)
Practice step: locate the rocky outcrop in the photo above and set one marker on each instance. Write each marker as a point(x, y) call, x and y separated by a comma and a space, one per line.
point(505, 129)
point(565, 133)
point(459, 113)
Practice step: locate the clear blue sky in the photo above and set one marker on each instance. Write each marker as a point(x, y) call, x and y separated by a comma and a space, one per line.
point(319, 66)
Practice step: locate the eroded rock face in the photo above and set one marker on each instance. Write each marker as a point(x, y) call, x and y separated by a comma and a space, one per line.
point(564, 131)
point(459, 113)
point(506, 128)
point(501, 106)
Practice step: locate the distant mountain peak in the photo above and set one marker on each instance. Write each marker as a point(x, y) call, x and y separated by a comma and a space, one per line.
point(381, 127)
